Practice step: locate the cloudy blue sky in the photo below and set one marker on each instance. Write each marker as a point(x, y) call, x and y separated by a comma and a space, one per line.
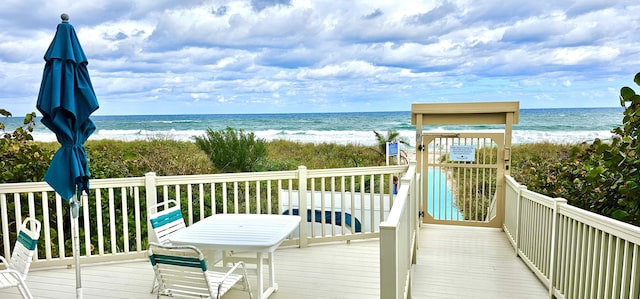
point(280, 56)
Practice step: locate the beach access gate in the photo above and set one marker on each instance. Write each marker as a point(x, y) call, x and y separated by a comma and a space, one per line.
point(463, 171)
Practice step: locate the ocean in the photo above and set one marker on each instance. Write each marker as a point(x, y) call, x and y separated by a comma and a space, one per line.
point(563, 125)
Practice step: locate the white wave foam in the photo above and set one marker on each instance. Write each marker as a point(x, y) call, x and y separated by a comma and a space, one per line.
point(339, 137)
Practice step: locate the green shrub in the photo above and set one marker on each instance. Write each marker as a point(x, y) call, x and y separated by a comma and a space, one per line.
point(233, 150)
point(609, 176)
point(116, 159)
point(601, 177)
point(288, 155)
point(21, 159)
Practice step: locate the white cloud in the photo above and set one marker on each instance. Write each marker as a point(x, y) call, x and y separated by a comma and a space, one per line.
point(327, 55)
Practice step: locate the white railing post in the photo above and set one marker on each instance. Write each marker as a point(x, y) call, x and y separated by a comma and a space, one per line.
point(302, 205)
point(151, 196)
point(388, 264)
point(554, 237)
point(406, 241)
point(518, 213)
point(414, 211)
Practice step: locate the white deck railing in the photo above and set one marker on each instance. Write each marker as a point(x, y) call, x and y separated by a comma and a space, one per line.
point(398, 240)
point(576, 253)
point(113, 222)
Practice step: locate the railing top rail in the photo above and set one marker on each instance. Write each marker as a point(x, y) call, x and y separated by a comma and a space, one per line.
point(606, 224)
point(28, 187)
point(513, 183)
point(538, 198)
point(225, 177)
point(25, 187)
point(317, 173)
point(611, 226)
point(396, 212)
point(117, 182)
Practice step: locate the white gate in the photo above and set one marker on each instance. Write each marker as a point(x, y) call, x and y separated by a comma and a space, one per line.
point(463, 172)
point(462, 176)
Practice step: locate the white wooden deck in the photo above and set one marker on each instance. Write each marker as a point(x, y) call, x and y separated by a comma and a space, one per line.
point(453, 262)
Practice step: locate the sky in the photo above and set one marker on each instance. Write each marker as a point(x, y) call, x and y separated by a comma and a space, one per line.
point(295, 56)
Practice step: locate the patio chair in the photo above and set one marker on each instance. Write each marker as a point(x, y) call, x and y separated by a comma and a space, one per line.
point(182, 271)
point(18, 266)
point(164, 223)
point(167, 221)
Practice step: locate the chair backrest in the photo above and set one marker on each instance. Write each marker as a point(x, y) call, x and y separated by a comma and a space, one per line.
point(167, 221)
point(25, 246)
point(181, 270)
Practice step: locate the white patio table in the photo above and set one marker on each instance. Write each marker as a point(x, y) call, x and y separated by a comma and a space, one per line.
point(260, 233)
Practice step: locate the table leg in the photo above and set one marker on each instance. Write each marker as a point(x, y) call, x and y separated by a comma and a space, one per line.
point(272, 272)
point(261, 290)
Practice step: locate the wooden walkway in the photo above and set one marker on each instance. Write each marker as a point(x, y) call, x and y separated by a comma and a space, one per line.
point(453, 262)
point(470, 262)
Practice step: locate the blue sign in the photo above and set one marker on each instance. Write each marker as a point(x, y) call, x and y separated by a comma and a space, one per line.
point(393, 149)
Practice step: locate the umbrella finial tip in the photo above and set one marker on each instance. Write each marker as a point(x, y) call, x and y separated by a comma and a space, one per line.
point(64, 17)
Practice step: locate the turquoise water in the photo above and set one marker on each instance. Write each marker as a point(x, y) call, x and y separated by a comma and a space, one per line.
point(536, 125)
point(440, 200)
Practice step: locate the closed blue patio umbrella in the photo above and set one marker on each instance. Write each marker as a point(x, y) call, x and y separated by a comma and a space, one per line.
point(66, 100)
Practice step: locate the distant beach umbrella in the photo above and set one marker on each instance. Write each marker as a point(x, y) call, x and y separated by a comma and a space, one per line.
point(66, 100)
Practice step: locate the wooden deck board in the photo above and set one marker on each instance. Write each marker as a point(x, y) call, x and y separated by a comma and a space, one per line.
point(453, 262)
point(468, 262)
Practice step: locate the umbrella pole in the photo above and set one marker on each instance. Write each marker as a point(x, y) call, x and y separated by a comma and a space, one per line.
point(75, 230)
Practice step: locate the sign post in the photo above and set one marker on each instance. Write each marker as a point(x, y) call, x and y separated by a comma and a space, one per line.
point(393, 150)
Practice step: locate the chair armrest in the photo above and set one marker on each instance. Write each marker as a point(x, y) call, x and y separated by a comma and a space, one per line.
point(232, 270)
point(12, 272)
point(3, 261)
point(229, 272)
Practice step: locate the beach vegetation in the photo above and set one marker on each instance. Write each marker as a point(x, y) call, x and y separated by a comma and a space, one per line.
point(391, 136)
point(231, 150)
point(21, 159)
point(600, 176)
point(288, 155)
point(116, 159)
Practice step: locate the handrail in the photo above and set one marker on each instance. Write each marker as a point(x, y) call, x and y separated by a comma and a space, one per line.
point(113, 219)
point(398, 240)
point(576, 253)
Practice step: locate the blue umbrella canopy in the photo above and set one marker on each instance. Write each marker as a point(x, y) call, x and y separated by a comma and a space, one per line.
point(66, 100)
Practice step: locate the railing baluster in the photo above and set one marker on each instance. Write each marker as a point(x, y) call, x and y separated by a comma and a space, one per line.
point(5, 225)
point(85, 223)
point(269, 198)
point(112, 221)
point(125, 219)
point(201, 202)
point(236, 208)
point(136, 198)
point(343, 191)
point(99, 221)
point(258, 197)
point(635, 273)
point(225, 209)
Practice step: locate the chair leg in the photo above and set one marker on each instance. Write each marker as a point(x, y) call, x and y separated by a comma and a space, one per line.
point(24, 291)
point(245, 280)
point(154, 284)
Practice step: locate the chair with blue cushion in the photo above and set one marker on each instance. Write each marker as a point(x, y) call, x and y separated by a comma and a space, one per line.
point(182, 271)
point(167, 221)
point(17, 268)
point(164, 223)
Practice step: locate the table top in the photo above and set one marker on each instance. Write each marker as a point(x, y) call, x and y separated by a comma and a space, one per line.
point(247, 232)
